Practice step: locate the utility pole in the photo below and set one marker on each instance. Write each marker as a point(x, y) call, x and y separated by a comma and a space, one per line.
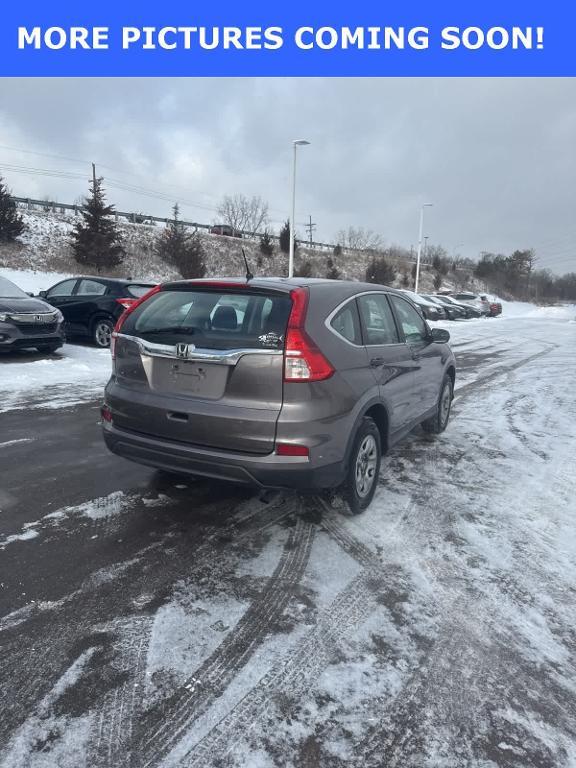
point(94, 175)
point(419, 254)
point(295, 144)
point(311, 226)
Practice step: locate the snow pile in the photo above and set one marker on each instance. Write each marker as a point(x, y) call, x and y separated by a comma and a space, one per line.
point(514, 309)
point(72, 375)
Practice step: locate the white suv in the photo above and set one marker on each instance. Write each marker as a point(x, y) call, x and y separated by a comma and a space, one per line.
point(483, 305)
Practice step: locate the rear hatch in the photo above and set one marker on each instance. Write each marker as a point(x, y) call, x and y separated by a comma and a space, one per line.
point(202, 363)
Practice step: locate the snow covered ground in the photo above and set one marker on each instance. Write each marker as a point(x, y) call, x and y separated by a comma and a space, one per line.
point(73, 374)
point(189, 624)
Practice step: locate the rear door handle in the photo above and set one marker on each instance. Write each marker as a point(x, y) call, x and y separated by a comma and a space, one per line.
point(376, 362)
point(176, 416)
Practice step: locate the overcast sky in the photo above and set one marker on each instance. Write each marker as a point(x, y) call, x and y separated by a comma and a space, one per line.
point(496, 157)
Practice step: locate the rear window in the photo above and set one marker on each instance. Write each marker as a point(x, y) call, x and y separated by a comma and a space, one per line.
point(212, 319)
point(137, 291)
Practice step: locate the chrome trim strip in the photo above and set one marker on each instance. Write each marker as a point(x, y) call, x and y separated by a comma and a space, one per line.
point(32, 317)
point(218, 356)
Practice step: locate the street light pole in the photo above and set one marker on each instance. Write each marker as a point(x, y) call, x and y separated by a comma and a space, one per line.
point(296, 143)
point(421, 231)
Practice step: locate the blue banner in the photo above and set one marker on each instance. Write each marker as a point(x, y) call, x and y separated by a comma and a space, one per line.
point(363, 38)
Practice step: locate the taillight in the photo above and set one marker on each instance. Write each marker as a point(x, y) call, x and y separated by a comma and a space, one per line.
point(128, 311)
point(125, 302)
point(106, 414)
point(303, 361)
point(291, 449)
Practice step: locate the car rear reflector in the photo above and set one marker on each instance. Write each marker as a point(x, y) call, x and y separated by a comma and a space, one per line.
point(106, 414)
point(291, 449)
point(303, 361)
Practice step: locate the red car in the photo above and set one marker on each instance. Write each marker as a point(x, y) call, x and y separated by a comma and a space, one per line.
point(494, 307)
point(225, 229)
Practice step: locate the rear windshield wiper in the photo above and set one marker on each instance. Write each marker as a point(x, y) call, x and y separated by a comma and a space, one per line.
point(169, 329)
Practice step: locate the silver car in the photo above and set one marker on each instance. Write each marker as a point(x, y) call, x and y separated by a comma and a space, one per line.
point(279, 383)
point(27, 322)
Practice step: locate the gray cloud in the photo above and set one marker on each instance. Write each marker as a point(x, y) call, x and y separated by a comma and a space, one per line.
point(497, 157)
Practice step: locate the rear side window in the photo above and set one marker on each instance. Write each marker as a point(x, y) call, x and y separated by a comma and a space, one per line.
point(91, 288)
point(212, 319)
point(137, 291)
point(346, 323)
point(378, 319)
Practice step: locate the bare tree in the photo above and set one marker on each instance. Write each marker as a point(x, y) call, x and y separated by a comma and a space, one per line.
point(359, 238)
point(246, 214)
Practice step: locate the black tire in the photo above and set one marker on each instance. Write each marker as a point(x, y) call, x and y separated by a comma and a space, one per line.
point(438, 423)
point(48, 348)
point(101, 334)
point(363, 467)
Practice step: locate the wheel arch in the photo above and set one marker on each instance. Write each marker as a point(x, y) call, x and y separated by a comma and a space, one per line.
point(376, 410)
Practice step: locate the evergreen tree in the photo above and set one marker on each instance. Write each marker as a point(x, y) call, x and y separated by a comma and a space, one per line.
point(11, 223)
point(182, 249)
point(96, 240)
point(332, 271)
point(285, 238)
point(266, 244)
point(380, 271)
point(304, 270)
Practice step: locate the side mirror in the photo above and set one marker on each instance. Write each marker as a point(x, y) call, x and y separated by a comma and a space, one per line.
point(440, 335)
point(29, 293)
point(43, 294)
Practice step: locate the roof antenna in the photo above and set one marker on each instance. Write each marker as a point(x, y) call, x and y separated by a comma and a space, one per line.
point(249, 275)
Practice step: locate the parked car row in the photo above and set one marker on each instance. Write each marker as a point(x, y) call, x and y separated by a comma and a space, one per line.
point(88, 307)
point(459, 306)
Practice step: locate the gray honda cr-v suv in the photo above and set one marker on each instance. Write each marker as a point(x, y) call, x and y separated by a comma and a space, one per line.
point(283, 383)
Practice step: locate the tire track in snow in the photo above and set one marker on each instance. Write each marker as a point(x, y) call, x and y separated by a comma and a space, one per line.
point(211, 679)
point(294, 675)
point(35, 650)
point(112, 731)
point(467, 389)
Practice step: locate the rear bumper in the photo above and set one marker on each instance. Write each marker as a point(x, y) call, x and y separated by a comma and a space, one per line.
point(269, 471)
